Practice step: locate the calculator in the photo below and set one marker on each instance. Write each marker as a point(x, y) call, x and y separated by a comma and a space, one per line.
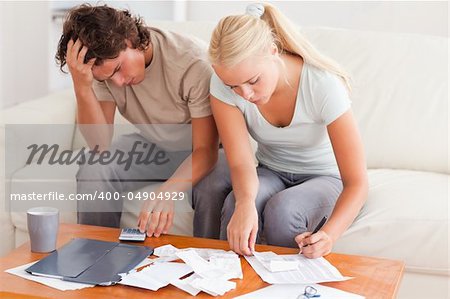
point(132, 234)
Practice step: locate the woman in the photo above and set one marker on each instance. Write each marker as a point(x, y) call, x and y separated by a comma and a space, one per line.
point(270, 82)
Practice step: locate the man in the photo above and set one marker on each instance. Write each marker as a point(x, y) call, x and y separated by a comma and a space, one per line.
point(151, 77)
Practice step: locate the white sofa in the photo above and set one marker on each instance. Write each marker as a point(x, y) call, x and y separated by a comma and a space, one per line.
point(400, 100)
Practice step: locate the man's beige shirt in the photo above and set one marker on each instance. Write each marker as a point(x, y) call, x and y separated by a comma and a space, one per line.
point(176, 84)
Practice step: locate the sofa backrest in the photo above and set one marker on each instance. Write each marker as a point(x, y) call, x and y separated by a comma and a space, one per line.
point(400, 91)
point(400, 94)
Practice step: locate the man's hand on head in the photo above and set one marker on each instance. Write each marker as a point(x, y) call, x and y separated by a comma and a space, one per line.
point(81, 72)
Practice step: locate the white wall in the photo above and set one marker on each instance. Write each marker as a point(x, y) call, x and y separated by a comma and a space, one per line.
point(28, 36)
point(421, 17)
point(149, 10)
point(24, 41)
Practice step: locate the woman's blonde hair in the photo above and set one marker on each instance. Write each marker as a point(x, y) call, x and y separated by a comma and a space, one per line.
point(239, 37)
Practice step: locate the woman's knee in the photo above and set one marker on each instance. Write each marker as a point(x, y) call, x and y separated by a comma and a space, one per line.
point(283, 221)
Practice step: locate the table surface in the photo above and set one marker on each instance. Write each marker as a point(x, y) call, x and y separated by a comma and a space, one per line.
point(373, 277)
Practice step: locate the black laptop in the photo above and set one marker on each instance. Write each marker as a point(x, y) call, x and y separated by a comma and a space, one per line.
point(91, 261)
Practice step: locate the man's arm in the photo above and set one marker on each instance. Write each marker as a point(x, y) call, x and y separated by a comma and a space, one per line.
point(205, 147)
point(190, 172)
point(90, 111)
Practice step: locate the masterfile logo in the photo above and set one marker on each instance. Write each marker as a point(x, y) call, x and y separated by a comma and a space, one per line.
point(140, 153)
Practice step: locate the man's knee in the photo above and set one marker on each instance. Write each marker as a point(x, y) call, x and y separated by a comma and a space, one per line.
point(92, 172)
point(228, 206)
point(215, 186)
point(108, 219)
point(226, 214)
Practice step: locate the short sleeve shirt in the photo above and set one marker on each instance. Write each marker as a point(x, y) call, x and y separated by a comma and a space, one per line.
point(303, 146)
point(176, 84)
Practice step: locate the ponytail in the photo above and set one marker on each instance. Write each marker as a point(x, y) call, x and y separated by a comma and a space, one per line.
point(290, 40)
point(236, 38)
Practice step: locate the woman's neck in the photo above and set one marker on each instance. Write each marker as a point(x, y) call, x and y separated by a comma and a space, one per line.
point(290, 69)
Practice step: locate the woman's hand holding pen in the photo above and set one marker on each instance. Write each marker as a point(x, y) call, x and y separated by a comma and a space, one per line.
point(314, 245)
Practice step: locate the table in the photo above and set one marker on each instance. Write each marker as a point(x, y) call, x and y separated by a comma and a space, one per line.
point(374, 277)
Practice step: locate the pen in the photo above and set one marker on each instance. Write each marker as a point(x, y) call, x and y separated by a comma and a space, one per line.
point(321, 223)
point(319, 226)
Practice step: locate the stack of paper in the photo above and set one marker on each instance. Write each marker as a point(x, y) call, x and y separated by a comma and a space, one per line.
point(274, 262)
point(306, 270)
point(168, 252)
point(212, 270)
point(156, 276)
point(213, 275)
point(185, 284)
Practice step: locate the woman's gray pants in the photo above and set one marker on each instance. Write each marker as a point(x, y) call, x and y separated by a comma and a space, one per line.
point(287, 204)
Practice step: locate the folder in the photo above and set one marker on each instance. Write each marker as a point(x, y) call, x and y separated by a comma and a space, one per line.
point(91, 261)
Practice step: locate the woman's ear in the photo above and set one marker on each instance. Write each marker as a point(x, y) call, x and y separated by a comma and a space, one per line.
point(273, 49)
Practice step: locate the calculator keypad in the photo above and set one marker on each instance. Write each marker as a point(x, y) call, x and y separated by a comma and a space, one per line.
point(131, 234)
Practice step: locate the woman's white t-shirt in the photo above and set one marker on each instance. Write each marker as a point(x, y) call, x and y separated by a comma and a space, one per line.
point(302, 147)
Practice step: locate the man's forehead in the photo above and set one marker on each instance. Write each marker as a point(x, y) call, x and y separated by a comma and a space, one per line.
point(106, 68)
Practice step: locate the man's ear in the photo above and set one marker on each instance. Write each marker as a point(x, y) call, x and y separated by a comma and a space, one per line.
point(128, 43)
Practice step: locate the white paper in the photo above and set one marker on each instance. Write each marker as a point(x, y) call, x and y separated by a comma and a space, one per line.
point(280, 265)
point(145, 262)
point(165, 259)
point(292, 291)
point(165, 250)
point(167, 253)
point(156, 276)
point(308, 270)
point(213, 286)
point(212, 267)
point(229, 262)
point(51, 282)
point(206, 253)
point(185, 284)
point(198, 264)
point(220, 268)
point(274, 262)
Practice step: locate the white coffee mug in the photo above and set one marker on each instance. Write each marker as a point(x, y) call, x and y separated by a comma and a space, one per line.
point(43, 225)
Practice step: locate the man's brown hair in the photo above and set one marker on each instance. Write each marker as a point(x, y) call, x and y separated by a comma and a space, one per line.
point(103, 30)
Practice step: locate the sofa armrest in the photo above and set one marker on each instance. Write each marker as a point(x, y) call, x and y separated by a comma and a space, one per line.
point(55, 108)
point(30, 117)
point(6, 225)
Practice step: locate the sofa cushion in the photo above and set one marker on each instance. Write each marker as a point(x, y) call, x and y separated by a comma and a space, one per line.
point(400, 94)
point(405, 218)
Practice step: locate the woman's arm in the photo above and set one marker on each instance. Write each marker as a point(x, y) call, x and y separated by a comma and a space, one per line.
point(349, 153)
point(243, 226)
